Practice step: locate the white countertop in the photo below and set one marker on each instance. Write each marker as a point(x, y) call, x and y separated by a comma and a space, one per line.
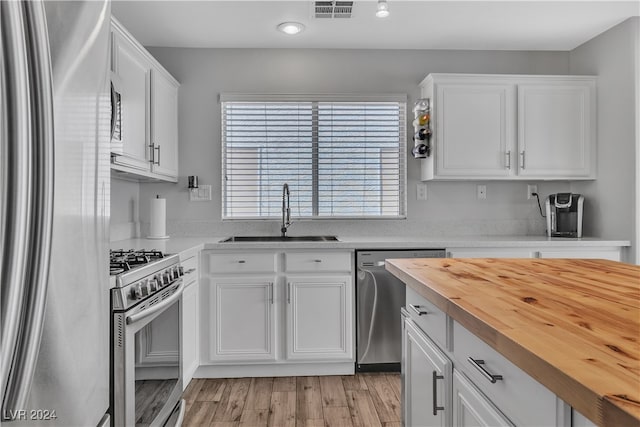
point(181, 244)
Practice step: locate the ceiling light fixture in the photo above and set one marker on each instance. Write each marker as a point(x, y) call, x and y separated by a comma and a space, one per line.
point(383, 9)
point(290, 28)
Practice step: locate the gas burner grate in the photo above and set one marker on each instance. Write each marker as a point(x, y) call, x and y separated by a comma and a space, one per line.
point(124, 260)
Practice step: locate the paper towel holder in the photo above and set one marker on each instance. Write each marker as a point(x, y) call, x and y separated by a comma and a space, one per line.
point(193, 182)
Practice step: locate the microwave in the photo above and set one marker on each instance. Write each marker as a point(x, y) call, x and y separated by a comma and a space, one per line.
point(116, 115)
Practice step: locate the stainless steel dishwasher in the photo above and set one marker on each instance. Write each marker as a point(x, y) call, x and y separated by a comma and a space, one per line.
point(379, 298)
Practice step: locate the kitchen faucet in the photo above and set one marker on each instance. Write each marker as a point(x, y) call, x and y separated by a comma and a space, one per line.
point(286, 210)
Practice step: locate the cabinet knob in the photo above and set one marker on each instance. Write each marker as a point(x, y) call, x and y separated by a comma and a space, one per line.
point(508, 159)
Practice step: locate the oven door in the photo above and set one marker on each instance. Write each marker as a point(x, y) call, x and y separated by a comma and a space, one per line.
point(147, 371)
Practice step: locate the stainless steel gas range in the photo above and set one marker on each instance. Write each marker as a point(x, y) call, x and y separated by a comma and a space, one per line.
point(146, 369)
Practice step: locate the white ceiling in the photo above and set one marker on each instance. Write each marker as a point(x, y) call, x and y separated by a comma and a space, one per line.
point(417, 24)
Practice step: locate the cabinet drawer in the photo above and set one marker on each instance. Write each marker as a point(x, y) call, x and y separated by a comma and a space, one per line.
point(190, 267)
point(317, 261)
point(513, 393)
point(242, 263)
point(432, 320)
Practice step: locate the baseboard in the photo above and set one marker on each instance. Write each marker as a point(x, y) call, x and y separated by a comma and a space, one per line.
point(274, 370)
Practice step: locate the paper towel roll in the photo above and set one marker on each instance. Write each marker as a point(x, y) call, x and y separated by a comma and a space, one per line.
point(158, 227)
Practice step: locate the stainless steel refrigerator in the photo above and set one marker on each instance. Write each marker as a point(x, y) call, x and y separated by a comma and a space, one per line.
point(54, 212)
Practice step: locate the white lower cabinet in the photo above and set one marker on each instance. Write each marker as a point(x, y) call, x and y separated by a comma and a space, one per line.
point(491, 253)
point(471, 407)
point(190, 359)
point(427, 380)
point(319, 317)
point(613, 253)
point(242, 321)
point(190, 321)
point(458, 379)
point(278, 313)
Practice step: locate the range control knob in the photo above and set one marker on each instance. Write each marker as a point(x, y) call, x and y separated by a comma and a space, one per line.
point(144, 289)
point(153, 285)
point(181, 271)
point(160, 279)
point(136, 292)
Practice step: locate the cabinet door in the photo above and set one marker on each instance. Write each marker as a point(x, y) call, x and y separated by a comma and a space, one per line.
point(556, 130)
point(133, 71)
point(242, 321)
point(164, 125)
point(427, 379)
point(319, 318)
point(190, 332)
point(474, 130)
point(472, 408)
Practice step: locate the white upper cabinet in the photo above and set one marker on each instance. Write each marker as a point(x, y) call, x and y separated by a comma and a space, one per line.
point(164, 124)
point(133, 72)
point(149, 112)
point(510, 127)
point(480, 147)
point(556, 128)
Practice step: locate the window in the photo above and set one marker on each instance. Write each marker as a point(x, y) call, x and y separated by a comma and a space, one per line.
point(342, 158)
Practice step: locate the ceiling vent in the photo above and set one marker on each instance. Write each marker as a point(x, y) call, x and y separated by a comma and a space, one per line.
point(333, 9)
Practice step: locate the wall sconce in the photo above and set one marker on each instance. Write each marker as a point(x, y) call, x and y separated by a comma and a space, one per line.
point(193, 182)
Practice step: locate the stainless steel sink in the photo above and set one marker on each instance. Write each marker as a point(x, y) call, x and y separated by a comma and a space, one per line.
point(281, 239)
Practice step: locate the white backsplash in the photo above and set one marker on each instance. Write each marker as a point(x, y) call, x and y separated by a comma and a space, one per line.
point(400, 228)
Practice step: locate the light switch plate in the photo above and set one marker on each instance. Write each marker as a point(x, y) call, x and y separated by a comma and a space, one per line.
point(200, 194)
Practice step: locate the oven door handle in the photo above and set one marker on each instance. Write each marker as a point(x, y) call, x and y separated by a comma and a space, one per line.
point(158, 307)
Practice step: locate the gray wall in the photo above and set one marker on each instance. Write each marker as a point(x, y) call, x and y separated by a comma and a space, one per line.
point(451, 208)
point(610, 201)
point(125, 201)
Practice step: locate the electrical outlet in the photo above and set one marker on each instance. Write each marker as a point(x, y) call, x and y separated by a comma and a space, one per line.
point(482, 192)
point(530, 190)
point(200, 194)
point(421, 191)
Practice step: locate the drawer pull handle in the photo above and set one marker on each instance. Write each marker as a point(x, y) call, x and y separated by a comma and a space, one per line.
point(419, 311)
point(189, 271)
point(477, 363)
point(436, 408)
point(241, 261)
point(317, 260)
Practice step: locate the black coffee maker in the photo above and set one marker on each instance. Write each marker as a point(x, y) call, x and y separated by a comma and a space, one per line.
point(564, 215)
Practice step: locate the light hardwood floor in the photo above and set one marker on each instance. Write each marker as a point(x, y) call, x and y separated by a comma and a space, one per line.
point(361, 400)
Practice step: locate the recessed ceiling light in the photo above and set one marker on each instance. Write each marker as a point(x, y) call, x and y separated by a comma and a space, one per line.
point(383, 9)
point(290, 28)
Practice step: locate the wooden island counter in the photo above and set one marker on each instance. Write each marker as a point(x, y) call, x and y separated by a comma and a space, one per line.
point(571, 324)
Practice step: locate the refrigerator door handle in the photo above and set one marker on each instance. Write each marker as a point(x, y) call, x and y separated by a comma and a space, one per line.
point(15, 191)
point(40, 218)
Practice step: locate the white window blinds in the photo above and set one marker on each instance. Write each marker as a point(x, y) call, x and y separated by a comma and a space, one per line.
point(340, 158)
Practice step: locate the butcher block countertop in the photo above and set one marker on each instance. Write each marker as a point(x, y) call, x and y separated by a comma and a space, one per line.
point(572, 324)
